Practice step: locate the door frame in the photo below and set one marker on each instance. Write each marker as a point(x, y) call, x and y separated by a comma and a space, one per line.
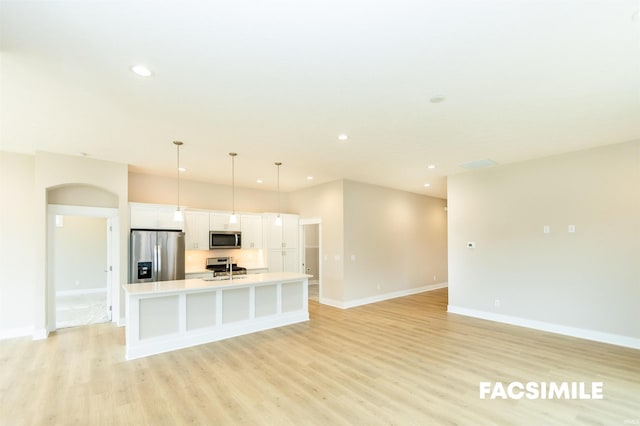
point(113, 255)
point(301, 233)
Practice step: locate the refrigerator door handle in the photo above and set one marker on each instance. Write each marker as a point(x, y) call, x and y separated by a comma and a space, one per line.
point(158, 261)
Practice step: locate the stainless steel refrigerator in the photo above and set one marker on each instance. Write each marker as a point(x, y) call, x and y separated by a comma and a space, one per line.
point(156, 256)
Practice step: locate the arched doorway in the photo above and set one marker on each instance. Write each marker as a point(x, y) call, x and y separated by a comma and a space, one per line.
point(82, 253)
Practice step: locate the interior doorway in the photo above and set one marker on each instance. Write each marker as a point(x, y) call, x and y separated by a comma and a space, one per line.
point(310, 234)
point(82, 249)
point(80, 270)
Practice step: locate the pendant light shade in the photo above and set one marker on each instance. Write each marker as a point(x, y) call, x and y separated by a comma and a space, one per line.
point(233, 218)
point(278, 217)
point(177, 215)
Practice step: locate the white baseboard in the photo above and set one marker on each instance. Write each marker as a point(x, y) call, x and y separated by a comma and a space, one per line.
point(380, 297)
point(11, 333)
point(40, 334)
point(598, 336)
point(81, 291)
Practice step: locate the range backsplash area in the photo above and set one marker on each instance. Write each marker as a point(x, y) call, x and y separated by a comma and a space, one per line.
point(195, 260)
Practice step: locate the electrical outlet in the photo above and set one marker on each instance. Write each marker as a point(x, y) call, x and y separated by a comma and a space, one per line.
point(435, 278)
point(496, 303)
point(379, 286)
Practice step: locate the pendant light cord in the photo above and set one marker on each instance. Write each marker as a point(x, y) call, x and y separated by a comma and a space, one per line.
point(233, 218)
point(278, 164)
point(178, 144)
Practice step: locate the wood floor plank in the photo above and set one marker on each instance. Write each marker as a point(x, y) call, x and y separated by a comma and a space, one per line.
point(404, 361)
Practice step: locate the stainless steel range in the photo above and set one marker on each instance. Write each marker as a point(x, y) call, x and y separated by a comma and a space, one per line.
point(222, 265)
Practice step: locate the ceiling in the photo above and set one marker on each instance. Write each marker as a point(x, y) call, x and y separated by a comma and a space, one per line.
point(280, 80)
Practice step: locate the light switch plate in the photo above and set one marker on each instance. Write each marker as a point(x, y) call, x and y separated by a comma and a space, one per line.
point(572, 229)
point(546, 229)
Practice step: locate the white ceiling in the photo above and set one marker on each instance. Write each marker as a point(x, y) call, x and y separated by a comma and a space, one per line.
point(279, 80)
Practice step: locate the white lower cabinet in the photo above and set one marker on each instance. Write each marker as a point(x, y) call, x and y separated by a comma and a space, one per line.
point(283, 260)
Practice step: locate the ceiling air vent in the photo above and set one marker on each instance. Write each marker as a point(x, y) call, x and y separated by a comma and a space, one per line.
point(478, 164)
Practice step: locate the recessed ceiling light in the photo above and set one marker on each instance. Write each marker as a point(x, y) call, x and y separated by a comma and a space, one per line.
point(431, 166)
point(259, 181)
point(309, 177)
point(437, 99)
point(141, 70)
point(182, 169)
point(83, 154)
point(342, 137)
point(426, 185)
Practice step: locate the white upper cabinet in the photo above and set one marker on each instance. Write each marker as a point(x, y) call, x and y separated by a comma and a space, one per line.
point(285, 236)
point(196, 227)
point(220, 222)
point(251, 227)
point(150, 216)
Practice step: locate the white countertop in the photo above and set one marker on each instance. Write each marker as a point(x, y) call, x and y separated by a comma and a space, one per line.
point(201, 284)
point(208, 271)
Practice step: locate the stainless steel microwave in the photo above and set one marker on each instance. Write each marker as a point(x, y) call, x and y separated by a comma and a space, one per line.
point(225, 239)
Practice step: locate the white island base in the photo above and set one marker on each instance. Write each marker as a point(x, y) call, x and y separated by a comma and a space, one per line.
point(169, 315)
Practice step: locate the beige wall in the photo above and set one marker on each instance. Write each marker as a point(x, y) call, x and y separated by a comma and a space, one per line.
point(398, 240)
point(17, 244)
point(201, 195)
point(589, 279)
point(326, 203)
point(394, 240)
point(79, 257)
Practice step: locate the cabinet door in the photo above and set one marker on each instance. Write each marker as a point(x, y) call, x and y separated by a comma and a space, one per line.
point(290, 231)
point(220, 222)
point(283, 260)
point(272, 232)
point(251, 226)
point(165, 218)
point(275, 260)
point(145, 217)
point(290, 260)
point(154, 217)
point(196, 225)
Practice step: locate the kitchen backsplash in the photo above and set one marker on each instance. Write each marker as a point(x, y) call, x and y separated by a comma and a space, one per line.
point(195, 260)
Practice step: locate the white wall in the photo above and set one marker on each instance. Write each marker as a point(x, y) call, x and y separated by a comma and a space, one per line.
point(17, 244)
point(588, 280)
point(80, 254)
point(53, 171)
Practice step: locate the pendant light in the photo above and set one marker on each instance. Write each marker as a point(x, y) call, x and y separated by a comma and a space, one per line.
point(278, 218)
point(177, 215)
point(233, 218)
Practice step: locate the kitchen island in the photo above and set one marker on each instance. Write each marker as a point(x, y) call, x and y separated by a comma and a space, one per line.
point(169, 315)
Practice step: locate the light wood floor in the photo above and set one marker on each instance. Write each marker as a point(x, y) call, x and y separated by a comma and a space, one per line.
point(401, 362)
